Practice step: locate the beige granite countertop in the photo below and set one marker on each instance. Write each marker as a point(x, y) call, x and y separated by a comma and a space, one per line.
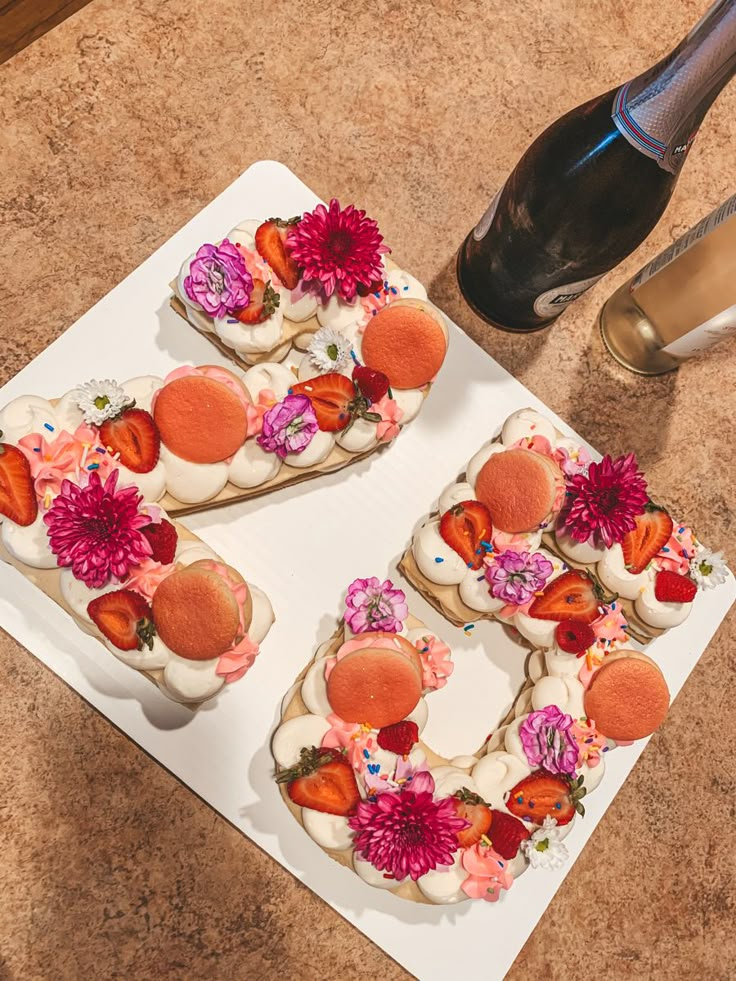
point(118, 127)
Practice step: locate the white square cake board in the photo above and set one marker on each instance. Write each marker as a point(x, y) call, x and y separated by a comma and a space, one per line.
point(304, 546)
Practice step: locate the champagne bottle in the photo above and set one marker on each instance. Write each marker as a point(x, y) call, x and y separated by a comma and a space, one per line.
point(679, 304)
point(593, 185)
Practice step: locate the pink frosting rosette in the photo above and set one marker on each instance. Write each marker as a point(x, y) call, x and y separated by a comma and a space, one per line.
point(675, 556)
point(147, 577)
point(391, 415)
point(488, 873)
point(68, 456)
point(436, 658)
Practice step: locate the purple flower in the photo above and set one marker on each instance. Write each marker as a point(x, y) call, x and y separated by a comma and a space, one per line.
point(374, 605)
point(515, 577)
point(218, 280)
point(548, 741)
point(288, 426)
point(96, 529)
point(409, 833)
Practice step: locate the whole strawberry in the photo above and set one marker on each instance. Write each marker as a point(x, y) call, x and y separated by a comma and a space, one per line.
point(399, 738)
point(372, 384)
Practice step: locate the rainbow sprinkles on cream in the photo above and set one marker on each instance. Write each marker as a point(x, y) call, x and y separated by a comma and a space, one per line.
point(540, 537)
point(90, 482)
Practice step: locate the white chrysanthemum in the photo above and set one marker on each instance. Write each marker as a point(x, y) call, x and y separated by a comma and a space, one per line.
point(708, 569)
point(101, 400)
point(329, 350)
point(544, 850)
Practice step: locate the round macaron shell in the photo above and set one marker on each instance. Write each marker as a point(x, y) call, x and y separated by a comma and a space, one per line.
point(200, 419)
point(196, 614)
point(375, 687)
point(237, 580)
point(628, 697)
point(406, 343)
point(384, 640)
point(519, 488)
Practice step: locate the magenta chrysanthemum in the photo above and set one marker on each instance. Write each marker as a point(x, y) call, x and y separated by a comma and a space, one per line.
point(409, 833)
point(338, 249)
point(603, 503)
point(95, 530)
point(375, 605)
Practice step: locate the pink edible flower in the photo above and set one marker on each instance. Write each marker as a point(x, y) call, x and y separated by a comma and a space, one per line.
point(515, 577)
point(488, 873)
point(572, 464)
point(548, 742)
point(95, 530)
point(289, 426)
point(603, 503)
point(407, 833)
point(218, 280)
point(375, 605)
point(338, 249)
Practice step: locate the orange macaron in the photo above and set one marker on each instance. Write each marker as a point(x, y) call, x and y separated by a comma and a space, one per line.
point(196, 613)
point(628, 697)
point(376, 686)
point(406, 342)
point(519, 488)
point(200, 419)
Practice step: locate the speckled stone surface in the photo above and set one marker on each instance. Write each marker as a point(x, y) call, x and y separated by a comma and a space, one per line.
point(117, 128)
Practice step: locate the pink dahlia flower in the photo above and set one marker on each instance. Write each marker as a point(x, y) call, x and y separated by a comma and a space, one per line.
point(95, 530)
point(338, 249)
point(409, 833)
point(603, 503)
point(218, 280)
point(375, 605)
point(548, 741)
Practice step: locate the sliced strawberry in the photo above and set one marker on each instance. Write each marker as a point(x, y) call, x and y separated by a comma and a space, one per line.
point(271, 246)
point(506, 834)
point(125, 618)
point(574, 637)
point(465, 528)
point(669, 587)
point(17, 496)
point(398, 738)
point(572, 596)
point(162, 538)
point(322, 780)
point(373, 384)
point(263, 302)
point(133, 434)
point(476, 812)
point(652, 532)
point(543, 794)
point(332, 397)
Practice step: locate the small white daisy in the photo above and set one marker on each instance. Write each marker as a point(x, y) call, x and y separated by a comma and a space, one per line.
point(101, 400)
point(544, 850)
point(329, 350)
point(708, 569)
